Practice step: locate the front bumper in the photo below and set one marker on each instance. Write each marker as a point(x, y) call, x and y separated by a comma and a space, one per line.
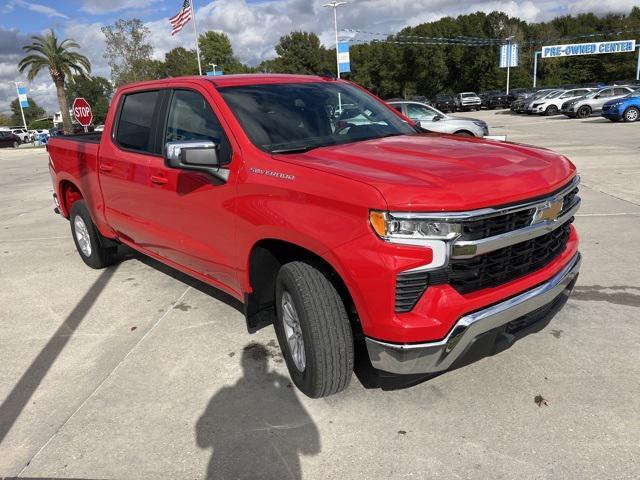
point(441, 355)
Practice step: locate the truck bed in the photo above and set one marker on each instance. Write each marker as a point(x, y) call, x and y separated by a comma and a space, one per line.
point(91, 137)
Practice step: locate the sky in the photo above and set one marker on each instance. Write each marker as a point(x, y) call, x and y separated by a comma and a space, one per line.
point(254, 26)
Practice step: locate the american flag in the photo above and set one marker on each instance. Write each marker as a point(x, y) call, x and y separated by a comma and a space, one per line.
point(181, 18)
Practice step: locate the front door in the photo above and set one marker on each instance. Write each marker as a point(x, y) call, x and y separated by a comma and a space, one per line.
point(193, 214)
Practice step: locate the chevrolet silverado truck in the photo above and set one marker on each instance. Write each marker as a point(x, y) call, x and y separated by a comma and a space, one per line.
point(374, 233)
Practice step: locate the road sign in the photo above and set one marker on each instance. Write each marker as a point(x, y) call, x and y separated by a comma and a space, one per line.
point(509, 55)
point(82, 112)
point(593, 48)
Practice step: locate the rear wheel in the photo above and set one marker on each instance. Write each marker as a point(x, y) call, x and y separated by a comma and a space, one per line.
point(313, 330)
point(15, 144)
point(631, 114)
point(584, 112)
point(91, 245)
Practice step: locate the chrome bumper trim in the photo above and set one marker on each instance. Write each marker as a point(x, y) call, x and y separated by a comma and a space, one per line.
point(472, 248)
point(437, 356)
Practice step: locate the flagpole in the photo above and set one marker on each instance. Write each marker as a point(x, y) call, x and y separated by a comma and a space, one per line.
point(195, 32)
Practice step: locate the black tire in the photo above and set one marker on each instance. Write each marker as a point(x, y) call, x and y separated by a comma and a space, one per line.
point(15, 144)
point(101, 253)
point(464, 133)
point(551, 110)
point(584, 112)
point(631, 114)
point(325, 328)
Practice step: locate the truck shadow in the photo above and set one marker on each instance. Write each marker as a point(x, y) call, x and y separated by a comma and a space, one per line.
point(19, 396)
point(257, 427)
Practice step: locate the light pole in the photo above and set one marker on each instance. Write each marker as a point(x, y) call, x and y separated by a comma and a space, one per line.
point(335, 4)
point(509, 61)
point(535, 67)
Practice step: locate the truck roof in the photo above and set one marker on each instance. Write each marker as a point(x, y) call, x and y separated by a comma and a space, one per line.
point(237, 80)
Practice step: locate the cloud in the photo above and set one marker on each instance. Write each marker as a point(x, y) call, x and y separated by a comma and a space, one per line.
point(34, 7)
point(97, 7)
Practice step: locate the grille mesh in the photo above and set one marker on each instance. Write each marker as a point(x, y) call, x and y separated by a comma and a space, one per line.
point(509, 263)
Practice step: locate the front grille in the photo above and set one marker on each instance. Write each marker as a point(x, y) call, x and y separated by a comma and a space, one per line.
point(506, 264)
point(488, 227)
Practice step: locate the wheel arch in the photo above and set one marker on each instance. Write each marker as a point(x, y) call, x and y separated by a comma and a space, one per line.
point(68, 193)
point(263, 263)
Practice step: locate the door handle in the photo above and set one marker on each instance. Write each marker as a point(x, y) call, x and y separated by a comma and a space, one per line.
point(106, 167)
point(158, 180)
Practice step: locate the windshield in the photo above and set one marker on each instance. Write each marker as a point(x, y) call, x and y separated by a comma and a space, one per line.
point(290, 117)
point(465, 95)
point(635, 93)
point(555, 94)
point(593, 93)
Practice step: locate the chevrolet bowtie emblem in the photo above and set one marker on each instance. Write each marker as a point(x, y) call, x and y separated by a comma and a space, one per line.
point(548, 212)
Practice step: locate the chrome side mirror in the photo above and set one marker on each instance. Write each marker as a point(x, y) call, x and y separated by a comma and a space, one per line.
point(195, 155)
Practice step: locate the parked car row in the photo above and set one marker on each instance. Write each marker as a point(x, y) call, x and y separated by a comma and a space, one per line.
point(430, 118)
point(619, 102)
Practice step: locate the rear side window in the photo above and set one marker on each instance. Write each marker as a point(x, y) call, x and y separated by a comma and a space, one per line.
point(136, 119)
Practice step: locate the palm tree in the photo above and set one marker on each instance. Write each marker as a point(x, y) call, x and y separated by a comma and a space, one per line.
point(47, 52)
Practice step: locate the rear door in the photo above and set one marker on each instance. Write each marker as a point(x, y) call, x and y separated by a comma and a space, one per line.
point(124, 164)
point(193, 216)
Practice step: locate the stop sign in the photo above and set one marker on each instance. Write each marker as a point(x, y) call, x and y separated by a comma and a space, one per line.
point(82, 111)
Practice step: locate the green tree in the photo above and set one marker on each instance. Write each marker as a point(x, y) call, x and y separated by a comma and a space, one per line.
point(180, 62)
point(5, 120)
point(299, 52)
point(95, 90)
point(31, 113)
point(215, 47)
point(128, 52)
point(46, 52)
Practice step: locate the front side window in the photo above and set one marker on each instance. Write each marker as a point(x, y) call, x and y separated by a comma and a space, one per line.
point(290, 117)
point(191, 118)
point(136, 119)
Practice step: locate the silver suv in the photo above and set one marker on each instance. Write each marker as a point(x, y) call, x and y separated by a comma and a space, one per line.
point(592, 102)
point(434, 120)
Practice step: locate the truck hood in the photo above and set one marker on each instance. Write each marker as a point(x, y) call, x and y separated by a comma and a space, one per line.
point(436, 172)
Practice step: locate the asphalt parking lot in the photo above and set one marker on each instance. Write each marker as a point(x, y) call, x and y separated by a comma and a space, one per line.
point(140, 372)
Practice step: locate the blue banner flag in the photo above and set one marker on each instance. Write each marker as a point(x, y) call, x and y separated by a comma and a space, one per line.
point(344, 62)
point(22, 97)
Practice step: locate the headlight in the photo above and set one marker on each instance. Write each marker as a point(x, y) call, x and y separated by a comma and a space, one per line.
point(401, 228)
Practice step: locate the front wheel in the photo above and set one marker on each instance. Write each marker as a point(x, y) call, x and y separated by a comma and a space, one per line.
point(15, 144)
point(631, 114)
point(313, 330)
point(551, 110)
point(583, 112)
point(91, 245)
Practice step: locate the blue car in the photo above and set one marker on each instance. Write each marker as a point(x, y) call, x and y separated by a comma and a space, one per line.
point(626, 108)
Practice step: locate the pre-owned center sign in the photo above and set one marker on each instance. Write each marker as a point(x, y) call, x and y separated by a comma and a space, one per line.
point(593, 48)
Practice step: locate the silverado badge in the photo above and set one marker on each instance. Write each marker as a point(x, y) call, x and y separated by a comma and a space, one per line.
point(548, 211)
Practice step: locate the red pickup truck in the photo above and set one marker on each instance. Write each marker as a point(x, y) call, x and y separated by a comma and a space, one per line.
point(330, 216)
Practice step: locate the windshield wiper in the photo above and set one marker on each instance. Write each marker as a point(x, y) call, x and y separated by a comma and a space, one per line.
point(299, 149)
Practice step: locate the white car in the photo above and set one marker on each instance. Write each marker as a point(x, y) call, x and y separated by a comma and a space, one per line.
point(99, 128)
point(552, 104)
point(21, 133)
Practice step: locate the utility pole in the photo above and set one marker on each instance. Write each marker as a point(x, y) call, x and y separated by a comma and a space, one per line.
point(20, 103)
point(335, 4)
point(195, 34)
